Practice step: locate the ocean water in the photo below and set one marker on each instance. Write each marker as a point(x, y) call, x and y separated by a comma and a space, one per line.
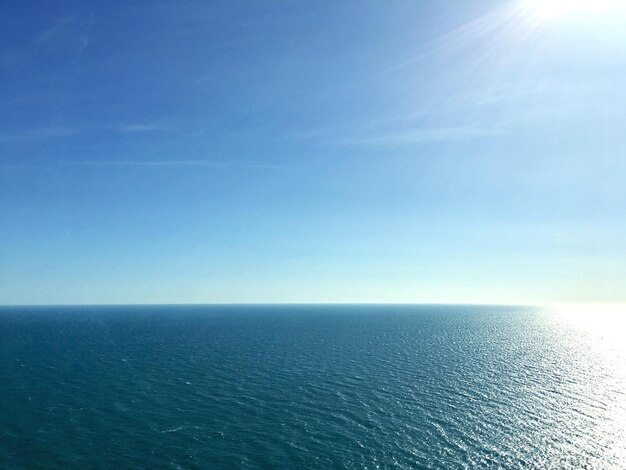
point(311, 387)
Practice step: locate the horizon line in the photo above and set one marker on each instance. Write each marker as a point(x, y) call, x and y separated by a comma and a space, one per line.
point(346, 303)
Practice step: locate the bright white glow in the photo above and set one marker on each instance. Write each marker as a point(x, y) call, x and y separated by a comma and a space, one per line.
point(604, 323)
point(549, 9)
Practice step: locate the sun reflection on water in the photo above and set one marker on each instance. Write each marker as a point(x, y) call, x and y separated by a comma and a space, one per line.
point(598, 336)
point(605, 324)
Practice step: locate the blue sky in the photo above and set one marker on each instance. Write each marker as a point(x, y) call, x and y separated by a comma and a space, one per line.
point(291, 151)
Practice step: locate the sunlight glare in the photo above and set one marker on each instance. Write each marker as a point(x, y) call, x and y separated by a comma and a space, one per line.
point(554, 9)
point(606, 323)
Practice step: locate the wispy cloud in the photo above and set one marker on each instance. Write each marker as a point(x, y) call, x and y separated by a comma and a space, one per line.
point(56, 28)
point(141, 127)
point(70, 31)
point(442, 134)
point(84, 40)
point(215, 164)
point(218, 165)
point(40, 133)
point(490, 112)
point(45, 133)
point(145, 163)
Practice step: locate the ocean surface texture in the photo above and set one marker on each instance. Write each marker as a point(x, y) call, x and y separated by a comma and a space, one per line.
point(310, 387)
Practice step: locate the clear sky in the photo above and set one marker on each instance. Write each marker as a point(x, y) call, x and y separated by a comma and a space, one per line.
point(312, 151)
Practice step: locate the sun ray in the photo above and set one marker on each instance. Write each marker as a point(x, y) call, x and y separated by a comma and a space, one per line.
point(554, 9)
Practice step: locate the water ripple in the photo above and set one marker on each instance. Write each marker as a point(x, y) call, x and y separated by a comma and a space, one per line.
point(310, 387)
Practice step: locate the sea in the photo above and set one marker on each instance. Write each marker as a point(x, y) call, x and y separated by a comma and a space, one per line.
point(312, 386)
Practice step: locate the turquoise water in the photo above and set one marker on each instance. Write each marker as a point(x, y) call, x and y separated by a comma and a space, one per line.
point(309, 387)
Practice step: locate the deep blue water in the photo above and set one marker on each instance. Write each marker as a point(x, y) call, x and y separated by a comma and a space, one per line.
point(307, 387)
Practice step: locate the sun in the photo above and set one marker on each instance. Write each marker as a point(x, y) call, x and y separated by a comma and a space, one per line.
point(551, 9)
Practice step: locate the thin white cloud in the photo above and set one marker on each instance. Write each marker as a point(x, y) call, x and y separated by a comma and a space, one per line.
point(144, 163)
point(84, 40)
point(40, 133)
point(44, 133)
point(173, 163)
point(442, 134)
point(141, 127)
point(56, 28)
